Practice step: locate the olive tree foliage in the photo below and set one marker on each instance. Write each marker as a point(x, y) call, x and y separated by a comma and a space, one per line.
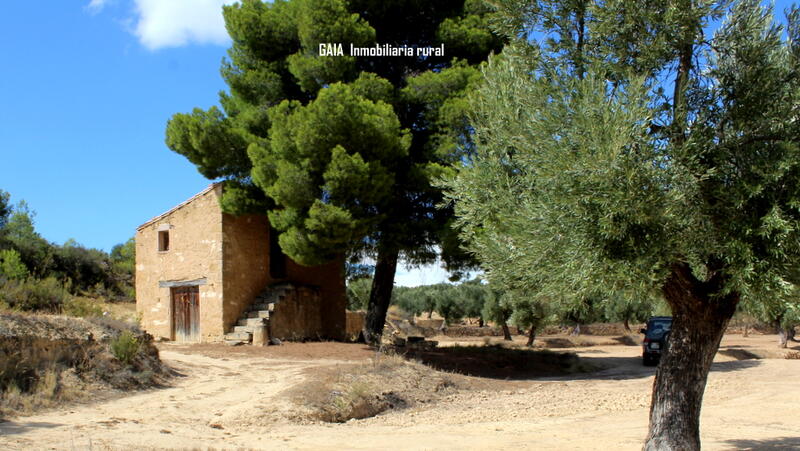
point(340, 151)
point(631, 151)
point(781, 311)
point(529, 313)
point(498, 309)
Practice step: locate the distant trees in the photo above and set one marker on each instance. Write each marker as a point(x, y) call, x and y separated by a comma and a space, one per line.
point(499, 309)
point(780, 311)
point(36, 274)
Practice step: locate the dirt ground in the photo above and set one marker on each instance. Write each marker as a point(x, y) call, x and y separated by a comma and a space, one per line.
point(233, 398)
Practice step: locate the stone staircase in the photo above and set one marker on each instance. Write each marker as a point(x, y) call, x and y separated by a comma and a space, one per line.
point(257, 314)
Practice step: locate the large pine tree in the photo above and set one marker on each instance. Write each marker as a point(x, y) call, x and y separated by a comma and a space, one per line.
point(341, 151)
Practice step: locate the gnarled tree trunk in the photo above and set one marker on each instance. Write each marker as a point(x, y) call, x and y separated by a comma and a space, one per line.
point(531, 336)
point(506, 332)
point(700, 317)
point(380, 295)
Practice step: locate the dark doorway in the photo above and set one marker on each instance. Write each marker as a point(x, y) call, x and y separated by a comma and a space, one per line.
point(277, 261)
point(186, 313)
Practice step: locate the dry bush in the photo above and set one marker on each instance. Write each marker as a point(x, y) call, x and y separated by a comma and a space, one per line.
point(356, 391)
point(82, 307)
point(47, 360)
point(54, 387)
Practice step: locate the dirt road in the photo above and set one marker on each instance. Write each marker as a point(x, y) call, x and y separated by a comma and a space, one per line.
point(226, 400)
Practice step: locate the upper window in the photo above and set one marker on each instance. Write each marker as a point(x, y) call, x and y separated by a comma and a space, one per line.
point(163, 240)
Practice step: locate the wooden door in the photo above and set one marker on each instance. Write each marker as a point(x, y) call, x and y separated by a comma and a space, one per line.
point(186, 313)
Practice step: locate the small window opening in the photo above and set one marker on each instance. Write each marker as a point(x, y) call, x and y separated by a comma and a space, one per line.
point(163, 240)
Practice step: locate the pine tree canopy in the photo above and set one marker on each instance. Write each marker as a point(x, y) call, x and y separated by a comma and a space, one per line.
point(341, 150)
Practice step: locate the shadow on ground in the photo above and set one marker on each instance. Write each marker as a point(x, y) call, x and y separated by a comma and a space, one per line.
point(13, 427)
point(498, 362)
point(781, 443)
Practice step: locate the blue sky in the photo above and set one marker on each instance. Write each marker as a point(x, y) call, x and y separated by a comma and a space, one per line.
point(87, 88)
point(85, 98)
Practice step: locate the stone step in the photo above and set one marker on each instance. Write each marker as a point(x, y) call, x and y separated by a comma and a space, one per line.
point(270, 298)
point(238, 335)
point(258, 314)
point(250, 322)
point(243, 329)
point(262, 306)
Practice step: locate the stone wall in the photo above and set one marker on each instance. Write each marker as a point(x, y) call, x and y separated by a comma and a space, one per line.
point(297, 316)
point(207, 244)
point(195, 252)
point(329, 278)
point(355, 324)
point(246, 263)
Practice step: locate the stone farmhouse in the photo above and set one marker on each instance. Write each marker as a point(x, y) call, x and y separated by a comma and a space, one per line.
point(206, 276)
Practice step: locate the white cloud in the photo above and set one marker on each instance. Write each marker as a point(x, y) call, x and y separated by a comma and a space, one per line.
point(175, 23)
point(95, 6)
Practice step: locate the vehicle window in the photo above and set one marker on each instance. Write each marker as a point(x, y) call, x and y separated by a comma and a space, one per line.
point(662, 325)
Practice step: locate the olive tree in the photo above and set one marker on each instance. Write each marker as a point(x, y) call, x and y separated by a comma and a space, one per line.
point(620, 146)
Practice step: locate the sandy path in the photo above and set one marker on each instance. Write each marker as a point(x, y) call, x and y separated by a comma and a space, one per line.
point(748, 404)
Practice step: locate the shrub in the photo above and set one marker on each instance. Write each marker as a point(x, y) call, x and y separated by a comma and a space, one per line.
point(34, 294)
point(11, 265)
point(125, 346)
point(81, 307)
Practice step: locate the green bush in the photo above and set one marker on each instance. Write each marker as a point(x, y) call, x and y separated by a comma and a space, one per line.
point(11, 265)
point(81, 307)
point(125, 347)
point(34, 294)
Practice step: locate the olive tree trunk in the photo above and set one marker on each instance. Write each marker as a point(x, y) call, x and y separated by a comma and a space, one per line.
point(700, 317)
point(785, 333)
point(380, 296)
point(506, 332)
point(531, 336)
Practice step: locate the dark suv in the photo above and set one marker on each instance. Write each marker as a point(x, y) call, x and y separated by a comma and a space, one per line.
point(655, 338)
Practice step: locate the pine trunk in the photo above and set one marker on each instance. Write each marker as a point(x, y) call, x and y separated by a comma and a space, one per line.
point(699, 321)
point(531, 336)
point(627, 325)
point(380, 296)
point(506, 332)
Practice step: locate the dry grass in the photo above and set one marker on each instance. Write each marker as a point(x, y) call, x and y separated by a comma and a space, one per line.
point(792, 355)
point(354, 391)
point(54, 387)
point(49, 360)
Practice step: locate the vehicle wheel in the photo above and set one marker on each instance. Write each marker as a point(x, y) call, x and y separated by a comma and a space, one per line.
point(647, 360)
